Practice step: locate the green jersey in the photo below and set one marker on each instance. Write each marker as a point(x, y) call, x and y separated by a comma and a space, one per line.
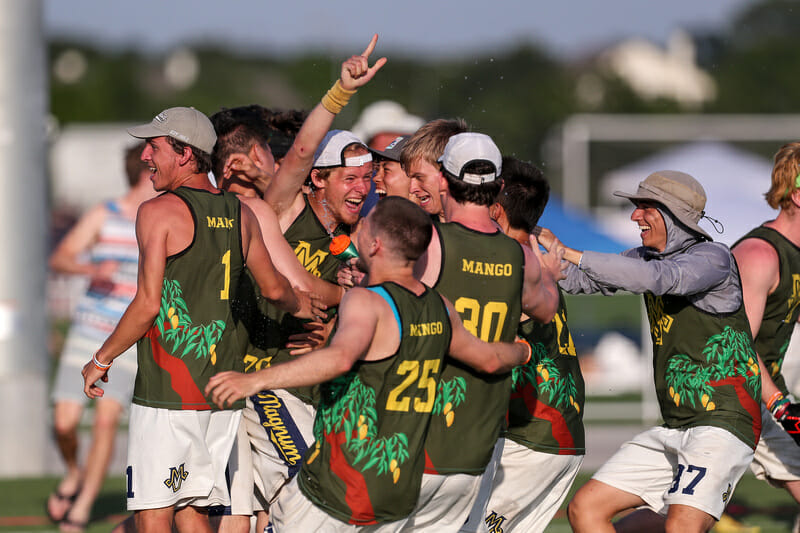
point(194, 336)
point(268, 327)
point(367, 462)
point(705, 367)
point(482, 274)
point(546, 409)
point(782, 307)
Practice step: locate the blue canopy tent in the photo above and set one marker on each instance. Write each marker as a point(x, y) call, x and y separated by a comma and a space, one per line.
point(577, 229)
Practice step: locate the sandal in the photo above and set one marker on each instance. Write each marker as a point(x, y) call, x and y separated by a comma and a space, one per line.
point(62, 498)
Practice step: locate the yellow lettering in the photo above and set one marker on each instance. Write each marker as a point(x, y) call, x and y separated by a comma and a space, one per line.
point(486, 269)
point(219, 222)
point(422, 330)
point(310, 261)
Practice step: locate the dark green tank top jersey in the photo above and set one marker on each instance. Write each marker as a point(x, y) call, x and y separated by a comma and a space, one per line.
point(194, 335)
point(267, 326)
point(367, 462)
point(782, 306)
point(705, 368)
point(481, 274)
point(546, 409)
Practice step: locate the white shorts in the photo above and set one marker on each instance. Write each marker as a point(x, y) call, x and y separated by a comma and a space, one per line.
point(293, 512)
point(245, 494)
point(178, 458)
point(280, 428)
point(515, 503)
point(444, 502)
point(698, 467)
point(78, 350)
point(777, 456)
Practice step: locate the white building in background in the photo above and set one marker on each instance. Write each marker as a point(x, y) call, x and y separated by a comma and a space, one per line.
point(653, 72)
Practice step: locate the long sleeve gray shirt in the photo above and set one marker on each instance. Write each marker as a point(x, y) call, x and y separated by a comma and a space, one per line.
point(704, 272)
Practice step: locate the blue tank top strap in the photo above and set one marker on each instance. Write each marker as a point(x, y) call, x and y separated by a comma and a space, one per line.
point(113, 206)
point(383, 293)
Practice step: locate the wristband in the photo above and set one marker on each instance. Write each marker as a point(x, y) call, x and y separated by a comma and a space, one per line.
point(777, 405)
point(98, 365)
point(336, 98)
point(528, 346)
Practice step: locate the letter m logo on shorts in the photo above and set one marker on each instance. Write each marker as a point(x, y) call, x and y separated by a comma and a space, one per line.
point(309, 261)
point(176, 477)
point(494, 521)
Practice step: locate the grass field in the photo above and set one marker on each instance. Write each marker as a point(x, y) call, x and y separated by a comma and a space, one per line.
point(22, 506)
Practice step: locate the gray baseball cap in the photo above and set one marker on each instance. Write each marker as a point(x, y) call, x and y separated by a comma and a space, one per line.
point(392, 150)
point(185, 124)
point(679, 192)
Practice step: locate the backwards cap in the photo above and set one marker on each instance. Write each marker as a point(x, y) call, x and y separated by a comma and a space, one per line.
point(465, 148)
point(330, 152)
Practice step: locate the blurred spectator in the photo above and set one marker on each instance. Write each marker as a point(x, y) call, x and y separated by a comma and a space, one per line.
point(107, 235)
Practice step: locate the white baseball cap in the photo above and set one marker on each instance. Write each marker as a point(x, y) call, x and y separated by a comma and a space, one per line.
point(465, 148)
point(330, 152)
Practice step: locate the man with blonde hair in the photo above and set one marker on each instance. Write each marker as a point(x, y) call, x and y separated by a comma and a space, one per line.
point(420, 160)
point(769, 264)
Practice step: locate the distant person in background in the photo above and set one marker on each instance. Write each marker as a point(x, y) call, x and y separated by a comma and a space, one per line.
point(102, 246)
point(706, 376)
point(382, 122)
point(769, 263)
point(544, 438)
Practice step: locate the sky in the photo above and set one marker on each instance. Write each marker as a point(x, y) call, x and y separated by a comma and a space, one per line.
point(434, 28)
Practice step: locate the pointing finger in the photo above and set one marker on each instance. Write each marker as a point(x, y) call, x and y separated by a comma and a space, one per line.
point(371, 46)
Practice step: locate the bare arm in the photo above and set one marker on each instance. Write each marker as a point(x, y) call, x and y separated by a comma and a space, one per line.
point(427, 267)
point(352, 341)
point(760, 275)
point(285, 189)
point(540, 290)
point(273, 285)
point(78, 240)
point(152, 223)
point(490, 358)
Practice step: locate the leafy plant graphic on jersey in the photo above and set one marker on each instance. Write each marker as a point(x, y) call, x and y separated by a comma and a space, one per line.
point(449, 395)
point(175, 326)
point(775, 366)
point(352, 412)
point(691, 383)
point(543, 373)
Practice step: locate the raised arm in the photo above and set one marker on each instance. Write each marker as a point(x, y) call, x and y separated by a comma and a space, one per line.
point(487, 357)
point(284, 191)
